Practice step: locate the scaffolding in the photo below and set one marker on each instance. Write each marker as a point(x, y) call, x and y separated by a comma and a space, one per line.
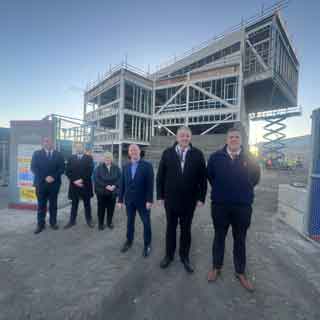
point(70, 130)
point(251, 67)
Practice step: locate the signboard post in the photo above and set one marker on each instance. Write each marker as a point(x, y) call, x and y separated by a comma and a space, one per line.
point(25, 138)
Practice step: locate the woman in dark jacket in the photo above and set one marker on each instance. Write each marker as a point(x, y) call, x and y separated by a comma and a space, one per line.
point(106, 182)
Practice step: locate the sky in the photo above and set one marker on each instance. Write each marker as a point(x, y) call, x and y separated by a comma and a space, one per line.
point(50, 50)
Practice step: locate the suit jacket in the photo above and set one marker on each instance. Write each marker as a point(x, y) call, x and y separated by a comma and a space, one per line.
point(232, 181)
point(138, 190)
point(80, 169)
point(103, 177)
point(42, 167)
point(182, 189)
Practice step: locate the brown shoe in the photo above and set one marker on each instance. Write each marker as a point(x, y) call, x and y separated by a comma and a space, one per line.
point(245, 282)
point(213, 275)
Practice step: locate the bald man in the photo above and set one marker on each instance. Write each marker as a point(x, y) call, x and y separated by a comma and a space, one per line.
point(136, 191)
point(181, 188)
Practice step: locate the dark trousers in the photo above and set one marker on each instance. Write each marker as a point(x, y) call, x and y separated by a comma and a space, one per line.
point(239, 217)
point(184, 218)
point(44, 195)
point(105, 202)
point(145, 218)
point(74, 208)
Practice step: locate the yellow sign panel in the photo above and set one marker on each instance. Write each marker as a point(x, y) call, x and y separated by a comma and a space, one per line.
point(28, 195)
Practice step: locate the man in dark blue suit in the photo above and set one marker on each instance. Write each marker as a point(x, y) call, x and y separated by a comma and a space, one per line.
point(136, 190)
point(47, 166)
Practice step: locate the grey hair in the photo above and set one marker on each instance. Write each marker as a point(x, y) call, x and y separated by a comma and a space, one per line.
point(184, 128)
point(108, 155)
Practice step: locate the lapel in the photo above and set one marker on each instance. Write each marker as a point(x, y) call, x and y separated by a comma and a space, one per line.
point(108, 172)
point(177, 159)
point(138, 169)
point(129, 172)
point(187, 159)
point(45, 156)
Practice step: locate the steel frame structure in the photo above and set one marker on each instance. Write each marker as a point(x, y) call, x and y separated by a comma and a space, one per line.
point(265, 57)
point(121, 103)
point(251, 68)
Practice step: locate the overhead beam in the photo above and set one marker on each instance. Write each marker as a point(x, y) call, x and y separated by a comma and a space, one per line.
point(171, 99)
point(215, 125)
point(163, 126)
point(213, 96)
point(259, 58)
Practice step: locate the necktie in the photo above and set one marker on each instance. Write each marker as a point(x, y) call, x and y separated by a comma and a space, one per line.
point(181, 155)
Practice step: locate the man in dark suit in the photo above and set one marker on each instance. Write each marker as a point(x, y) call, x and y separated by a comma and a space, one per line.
point(182, 186)
point(233, 174)
point(47, 166)
point(136, 191)
point(79, 171)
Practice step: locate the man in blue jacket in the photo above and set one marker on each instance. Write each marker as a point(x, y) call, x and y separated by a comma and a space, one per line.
point(136, 191)
point(233, 174)
point(47, 166)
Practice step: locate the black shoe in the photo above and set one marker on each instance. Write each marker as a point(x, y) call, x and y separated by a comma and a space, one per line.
point(165, 262)
point(187, 265)
point(127, 245)
point(110, 225)
point(54, 227)
point(101, 227)
point(38, 230)
point(69, 225)
point(146, 251)
point(90, 224)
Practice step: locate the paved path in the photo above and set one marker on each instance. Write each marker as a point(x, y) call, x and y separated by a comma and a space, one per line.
point(81, 274)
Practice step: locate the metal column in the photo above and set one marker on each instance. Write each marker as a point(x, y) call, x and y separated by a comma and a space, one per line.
point(313, 217)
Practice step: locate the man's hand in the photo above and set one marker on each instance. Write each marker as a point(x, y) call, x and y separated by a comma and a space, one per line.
point(49, 179)
point(78, 183)
point(200, 204)
point(120, 205)
point(148, 205)
point(110, 188)
point(160, 203)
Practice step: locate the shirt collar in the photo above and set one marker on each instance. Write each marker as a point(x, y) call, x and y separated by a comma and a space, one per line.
point(233, 153)
point(178, 148)
point(134, 162)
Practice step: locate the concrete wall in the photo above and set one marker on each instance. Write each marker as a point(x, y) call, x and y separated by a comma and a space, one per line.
point(292, 206)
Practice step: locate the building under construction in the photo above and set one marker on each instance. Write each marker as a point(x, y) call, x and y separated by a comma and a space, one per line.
point(248, 73)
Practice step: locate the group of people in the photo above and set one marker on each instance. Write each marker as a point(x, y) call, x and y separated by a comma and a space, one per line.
point(181, 187)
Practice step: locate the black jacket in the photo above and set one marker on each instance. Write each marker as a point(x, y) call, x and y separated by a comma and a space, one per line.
point(80, 169)
point(103, 177)
point(182, 189)
point(138, 190)
point(42, 167)
point(232, 181)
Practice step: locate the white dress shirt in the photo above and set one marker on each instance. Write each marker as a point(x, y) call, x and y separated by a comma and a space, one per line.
point(233, 154)
point(182, 155)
